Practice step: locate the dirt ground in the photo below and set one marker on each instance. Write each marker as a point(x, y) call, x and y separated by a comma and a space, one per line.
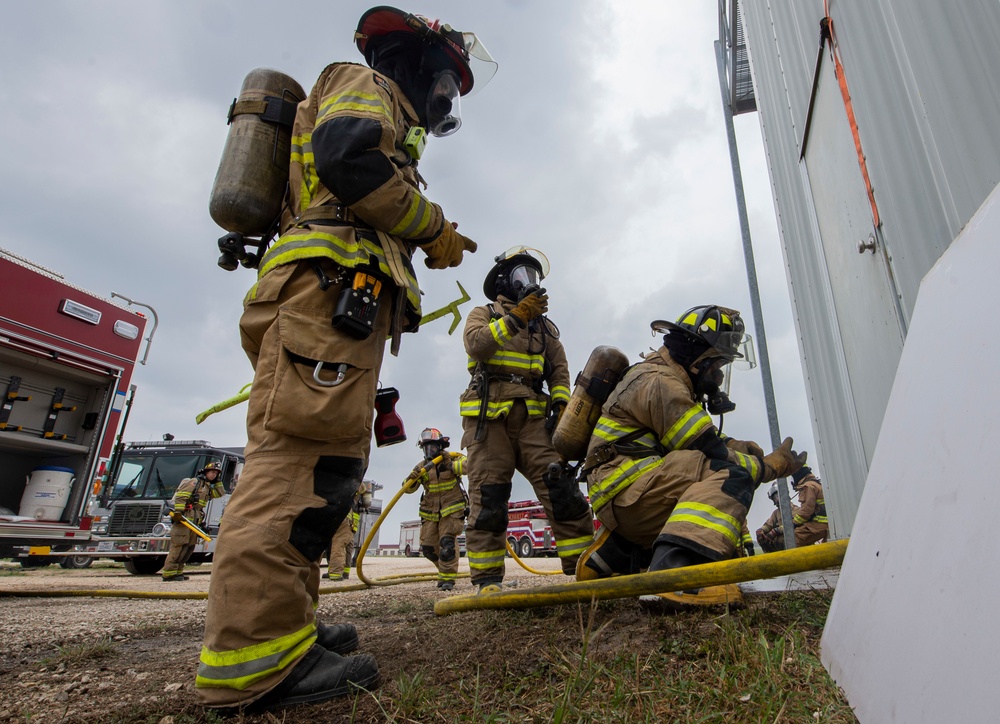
point(107, 659)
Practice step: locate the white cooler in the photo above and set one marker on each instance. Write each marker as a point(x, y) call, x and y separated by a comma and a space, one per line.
point(46, 493)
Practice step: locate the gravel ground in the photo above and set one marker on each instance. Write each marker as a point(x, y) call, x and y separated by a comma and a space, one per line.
point(101, 659)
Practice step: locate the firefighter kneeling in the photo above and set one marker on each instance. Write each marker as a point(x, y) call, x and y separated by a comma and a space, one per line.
point(669, 489)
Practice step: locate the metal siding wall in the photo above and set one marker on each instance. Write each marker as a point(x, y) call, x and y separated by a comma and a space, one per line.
point(783, 49)
point(926, 122)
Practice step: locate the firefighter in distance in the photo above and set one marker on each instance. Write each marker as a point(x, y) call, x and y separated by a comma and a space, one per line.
point(507, 416)
point(355, 215)
point(341, 555)
point(189, 501)
point(669, 490)
point(809, 518)
point(443, 505)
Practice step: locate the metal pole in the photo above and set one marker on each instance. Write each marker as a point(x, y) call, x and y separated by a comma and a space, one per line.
point(784, 502)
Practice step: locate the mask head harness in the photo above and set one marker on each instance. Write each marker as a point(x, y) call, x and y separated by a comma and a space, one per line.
point(428, 59)
point(703, 340)
point(432, 442)
point(517, 272)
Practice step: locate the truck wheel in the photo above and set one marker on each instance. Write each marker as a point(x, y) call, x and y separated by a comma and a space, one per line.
point(512, 541)
point(76, 562)
point(144, 565)
point(407, 552)
point(525, 549)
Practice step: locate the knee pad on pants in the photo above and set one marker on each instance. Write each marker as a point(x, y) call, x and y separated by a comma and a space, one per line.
point(493, 515)
point(336, 480)
point(429, 553)
point(447, 548)
point(739, 486)
point(568, 503)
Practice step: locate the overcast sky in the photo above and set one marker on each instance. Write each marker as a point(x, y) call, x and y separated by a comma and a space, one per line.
point(600, 141)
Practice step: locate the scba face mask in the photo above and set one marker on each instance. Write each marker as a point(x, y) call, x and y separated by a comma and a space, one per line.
point(444, 114)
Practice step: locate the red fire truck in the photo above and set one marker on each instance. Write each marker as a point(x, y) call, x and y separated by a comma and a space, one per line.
point(66, 362)
point(528, 529)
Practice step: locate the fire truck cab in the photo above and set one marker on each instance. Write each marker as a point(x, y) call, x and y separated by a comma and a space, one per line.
point(66, 363)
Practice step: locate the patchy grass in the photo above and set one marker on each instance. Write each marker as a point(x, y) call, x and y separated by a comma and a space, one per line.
point(81, 653)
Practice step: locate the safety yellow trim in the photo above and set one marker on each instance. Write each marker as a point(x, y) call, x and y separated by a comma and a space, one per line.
point(451, 509)
point(485, 559)
point(240, 668)
point(691, 424)
point(604, 491)
point(353, 100)
point(573, 546)
point(494, 409)
point(416, 219)
point(500, 331)
point(707, 516)
point(560, 393)
point(749, 463)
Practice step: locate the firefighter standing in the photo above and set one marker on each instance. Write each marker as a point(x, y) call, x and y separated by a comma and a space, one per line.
point(668, 489)
point(341, 555)
point(354, 215)
point(514, 353)
point(809, 519)
point(443, 505)
point(189, 501)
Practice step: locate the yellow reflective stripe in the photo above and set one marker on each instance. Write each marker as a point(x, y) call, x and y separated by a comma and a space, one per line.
point(611, 431)
point(560, 393)
point(355, 517)
point(442, 485)
point(458, 466)
point(604, 491)
point(470, 408)
point(517, 360)
point(746, 538)
point(309, 244)
point(798, 519)
point(485, 559)
point(416, 219)
point(608, 429)
point(432, 517)
point(302, 150)
point(353, 100)
point(535, 407)
point(691, 424)
point(447, 576)
point(820, 519)
point(454, 508)
point(500, 331)
point(573, 546)
point(240, 668)
point(749, 463)
point(709, 517)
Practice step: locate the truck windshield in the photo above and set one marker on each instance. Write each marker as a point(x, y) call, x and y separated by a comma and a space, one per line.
point(155, 477)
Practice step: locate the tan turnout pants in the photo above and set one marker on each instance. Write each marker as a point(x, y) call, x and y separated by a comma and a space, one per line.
point(260, 618)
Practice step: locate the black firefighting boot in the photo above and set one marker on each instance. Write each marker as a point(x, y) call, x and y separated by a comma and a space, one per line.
point(341, 638)
point(668, 556)
point(446, 585)
point(318, 676)
point(609, 555)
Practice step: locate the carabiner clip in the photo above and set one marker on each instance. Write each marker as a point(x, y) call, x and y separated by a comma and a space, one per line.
point(341, 370)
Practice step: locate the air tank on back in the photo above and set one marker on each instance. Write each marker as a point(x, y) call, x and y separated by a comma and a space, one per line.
point(571, 435)
point(253, 173)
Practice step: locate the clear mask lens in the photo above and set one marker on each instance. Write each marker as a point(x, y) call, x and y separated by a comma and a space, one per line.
point(444, 113)
point(523, 276)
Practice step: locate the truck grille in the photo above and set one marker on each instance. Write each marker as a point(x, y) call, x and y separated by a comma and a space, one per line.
point(135, 518)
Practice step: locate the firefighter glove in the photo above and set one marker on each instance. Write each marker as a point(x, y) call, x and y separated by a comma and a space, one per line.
point(447, 248)
point(784, 461)
point(554, 415)
point(747, 447)
point(748, 547)
point(532, 306)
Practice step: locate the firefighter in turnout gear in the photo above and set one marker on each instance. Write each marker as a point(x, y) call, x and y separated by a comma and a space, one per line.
point(771, 535)
point(809, 518)
point(342, 545)
point(669, 490)
point(189, 502)
point(443, 505)
point(507, 416)
point(333, 287)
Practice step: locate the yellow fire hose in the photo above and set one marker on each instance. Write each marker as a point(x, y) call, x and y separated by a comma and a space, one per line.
point(767, 565)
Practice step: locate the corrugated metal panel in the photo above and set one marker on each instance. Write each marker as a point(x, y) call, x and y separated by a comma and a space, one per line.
point(926, 93)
